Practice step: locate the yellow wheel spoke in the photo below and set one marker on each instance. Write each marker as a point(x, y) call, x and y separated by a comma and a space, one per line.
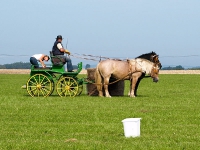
point(38, 92)
point(31, 86)
point(65, 82)
point(65, 93)
point(60, 88)
point(46, 82)
point(33, 89)
point(68, 91)
point(35, 79)
point(72, 91)
point(39, 79)
point(44, 86)
point(33, 82)
point(42, 80)
point(46, 90)
point(75, 87)
point(62, 84)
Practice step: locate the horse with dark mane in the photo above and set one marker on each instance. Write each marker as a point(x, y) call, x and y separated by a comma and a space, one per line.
point(124, 70)
point(153, 57)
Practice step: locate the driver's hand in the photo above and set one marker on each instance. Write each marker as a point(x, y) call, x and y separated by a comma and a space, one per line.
point(66, 51)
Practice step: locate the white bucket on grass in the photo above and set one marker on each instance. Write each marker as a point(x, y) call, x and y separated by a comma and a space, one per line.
point(131, 127)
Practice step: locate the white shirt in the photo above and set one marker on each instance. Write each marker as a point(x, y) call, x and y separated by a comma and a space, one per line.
point(59, 46)
point(37, 56)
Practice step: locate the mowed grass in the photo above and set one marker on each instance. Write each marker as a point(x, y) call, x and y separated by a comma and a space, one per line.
point(169, 110)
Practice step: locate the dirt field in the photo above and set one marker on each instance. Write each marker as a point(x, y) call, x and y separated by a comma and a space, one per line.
point(27, 71)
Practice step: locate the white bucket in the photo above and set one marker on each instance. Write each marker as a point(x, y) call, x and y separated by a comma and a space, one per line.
point(131, 127)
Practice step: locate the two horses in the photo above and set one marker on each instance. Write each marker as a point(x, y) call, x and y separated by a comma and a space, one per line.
point(126, 70)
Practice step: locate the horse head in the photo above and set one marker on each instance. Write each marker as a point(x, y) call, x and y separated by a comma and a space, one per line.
point(155, 72)
point(147, 67)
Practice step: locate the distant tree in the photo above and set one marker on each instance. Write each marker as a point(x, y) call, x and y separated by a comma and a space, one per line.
point(87, 66)
point(179, 67)
point(2, 67)
point(167, 68)
point(75, 66)
point(194, 68)
point(18, 65)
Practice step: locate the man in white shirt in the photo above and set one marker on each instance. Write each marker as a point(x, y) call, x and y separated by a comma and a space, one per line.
point(39, 57)
point(58, 50)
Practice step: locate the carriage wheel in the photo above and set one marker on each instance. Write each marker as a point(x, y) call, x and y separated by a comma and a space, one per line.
point(39, 85)
point(67, 86)
point(80, 89)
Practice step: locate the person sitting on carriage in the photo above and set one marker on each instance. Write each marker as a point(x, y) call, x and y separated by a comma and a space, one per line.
point(39, 57)
point(58, 50)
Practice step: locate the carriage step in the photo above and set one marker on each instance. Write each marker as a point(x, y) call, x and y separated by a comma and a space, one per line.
point(23, 87)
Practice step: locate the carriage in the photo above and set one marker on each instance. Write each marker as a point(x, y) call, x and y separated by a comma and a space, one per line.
point(43, 81)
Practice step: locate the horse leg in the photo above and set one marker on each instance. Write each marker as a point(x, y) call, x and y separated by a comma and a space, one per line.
point(99, 88)
point(98, 81)
point(106, 82)
point(138, 82)
point(129, 93)
point(133, 85)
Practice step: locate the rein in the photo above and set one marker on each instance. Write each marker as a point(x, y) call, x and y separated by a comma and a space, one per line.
point(111, 82)
point(101, 84)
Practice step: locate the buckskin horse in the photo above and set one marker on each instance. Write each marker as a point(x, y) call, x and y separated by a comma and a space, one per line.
point(153, 57)
point(124, 70)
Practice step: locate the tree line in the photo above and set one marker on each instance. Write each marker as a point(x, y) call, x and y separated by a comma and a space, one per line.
point(179, 67)
point(16, 65)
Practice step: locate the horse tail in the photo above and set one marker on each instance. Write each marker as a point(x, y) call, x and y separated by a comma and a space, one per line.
point(98, 80)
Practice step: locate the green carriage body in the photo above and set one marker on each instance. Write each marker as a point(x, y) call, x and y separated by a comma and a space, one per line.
point(43, 81)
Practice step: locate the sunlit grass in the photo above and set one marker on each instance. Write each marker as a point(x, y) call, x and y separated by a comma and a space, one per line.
point(169, 110)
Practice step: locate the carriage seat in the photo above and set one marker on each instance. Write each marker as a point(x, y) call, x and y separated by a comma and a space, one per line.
point(56, 60)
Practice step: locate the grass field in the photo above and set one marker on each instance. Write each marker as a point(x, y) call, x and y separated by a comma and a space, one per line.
point(169, 110)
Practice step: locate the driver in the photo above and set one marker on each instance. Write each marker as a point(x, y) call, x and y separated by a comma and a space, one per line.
point(58, 50)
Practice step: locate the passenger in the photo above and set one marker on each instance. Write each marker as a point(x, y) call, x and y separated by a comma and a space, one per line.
point(38, 57)
point(58, 50)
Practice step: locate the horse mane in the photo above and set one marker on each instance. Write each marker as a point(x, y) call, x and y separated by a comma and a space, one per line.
point(141, 60)
point(147, 55)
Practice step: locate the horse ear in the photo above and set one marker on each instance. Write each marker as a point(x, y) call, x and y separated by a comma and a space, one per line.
point(155, 58)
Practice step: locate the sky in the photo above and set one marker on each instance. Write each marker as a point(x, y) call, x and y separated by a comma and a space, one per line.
point(110, 28)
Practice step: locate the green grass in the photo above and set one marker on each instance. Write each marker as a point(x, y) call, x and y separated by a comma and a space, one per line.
point(169, 110)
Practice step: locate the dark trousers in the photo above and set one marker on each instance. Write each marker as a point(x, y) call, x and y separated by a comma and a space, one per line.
point(34, 62)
